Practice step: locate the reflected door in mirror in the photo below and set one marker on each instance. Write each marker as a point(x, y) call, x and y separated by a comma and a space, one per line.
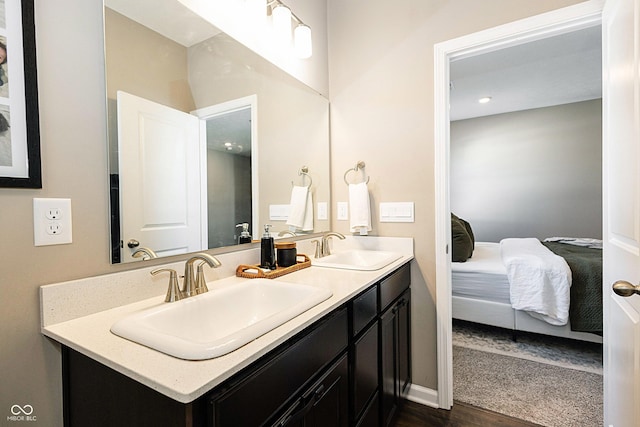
point(160, 174)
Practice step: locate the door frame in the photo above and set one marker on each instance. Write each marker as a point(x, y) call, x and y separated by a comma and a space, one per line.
point(568, 19)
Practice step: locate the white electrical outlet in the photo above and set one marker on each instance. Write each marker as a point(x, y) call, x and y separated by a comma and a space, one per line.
point(51, 222)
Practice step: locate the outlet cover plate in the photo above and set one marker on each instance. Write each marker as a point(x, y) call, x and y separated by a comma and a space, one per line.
point(52, 223)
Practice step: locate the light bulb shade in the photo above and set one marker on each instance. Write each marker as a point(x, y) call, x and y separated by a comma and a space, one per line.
point(302, 41)
point(281, 16)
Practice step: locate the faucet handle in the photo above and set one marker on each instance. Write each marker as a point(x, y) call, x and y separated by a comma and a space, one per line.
point(201, 282)
point(318, 253)
point(173, 293)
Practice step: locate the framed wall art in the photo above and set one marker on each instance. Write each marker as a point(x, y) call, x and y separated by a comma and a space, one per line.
point(19, 123)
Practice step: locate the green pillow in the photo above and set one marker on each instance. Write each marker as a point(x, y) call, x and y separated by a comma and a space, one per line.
point(467, 226)
point(462, 239)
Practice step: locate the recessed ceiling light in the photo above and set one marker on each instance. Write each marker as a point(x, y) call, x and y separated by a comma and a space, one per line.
point(484, 100)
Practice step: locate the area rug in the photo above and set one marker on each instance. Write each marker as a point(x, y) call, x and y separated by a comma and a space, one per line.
point(579, 355)
point(550, 394)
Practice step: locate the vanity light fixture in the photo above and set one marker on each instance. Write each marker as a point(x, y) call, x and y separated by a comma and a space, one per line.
point(282, 16)
point(484, 100)
point(302, 41)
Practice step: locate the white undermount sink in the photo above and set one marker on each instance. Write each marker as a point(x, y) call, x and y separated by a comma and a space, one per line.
point(220, 321)
point(357, 259)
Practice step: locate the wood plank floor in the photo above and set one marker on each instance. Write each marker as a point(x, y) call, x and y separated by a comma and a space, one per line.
point(461, 415)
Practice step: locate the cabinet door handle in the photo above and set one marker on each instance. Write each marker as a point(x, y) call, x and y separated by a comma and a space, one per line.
point(401, 303)
point(300, 413)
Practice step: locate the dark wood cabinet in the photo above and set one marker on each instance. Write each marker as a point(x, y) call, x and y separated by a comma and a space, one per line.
point(351, 368)
point(380, 350)
point(395, 342)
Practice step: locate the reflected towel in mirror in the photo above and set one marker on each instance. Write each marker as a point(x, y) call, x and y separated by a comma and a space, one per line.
point(359, 208)
point(301, 210)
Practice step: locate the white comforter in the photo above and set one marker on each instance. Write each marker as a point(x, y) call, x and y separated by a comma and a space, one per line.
point(539, 279)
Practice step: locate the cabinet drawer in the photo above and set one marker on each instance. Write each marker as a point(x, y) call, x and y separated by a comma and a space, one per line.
point(393, 286)
point(258, 396)
point(365, 309)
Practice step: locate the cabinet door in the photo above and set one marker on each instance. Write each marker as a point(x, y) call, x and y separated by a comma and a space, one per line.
point(365, 369)
point(395, 341)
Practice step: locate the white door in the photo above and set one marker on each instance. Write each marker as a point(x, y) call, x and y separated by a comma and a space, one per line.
point(621, 126)
point(160, 190)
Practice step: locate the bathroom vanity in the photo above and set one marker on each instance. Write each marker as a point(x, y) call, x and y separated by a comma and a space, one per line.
point(345, 362)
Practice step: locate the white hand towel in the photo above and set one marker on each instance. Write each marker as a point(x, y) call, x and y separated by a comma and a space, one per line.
point(359, 208)
point(301, 209)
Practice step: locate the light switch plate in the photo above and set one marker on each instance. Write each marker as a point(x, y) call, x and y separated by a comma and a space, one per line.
point(343, 211)
point(279, 212)
point(52, 223)
point(323, 209)
point(397, 212)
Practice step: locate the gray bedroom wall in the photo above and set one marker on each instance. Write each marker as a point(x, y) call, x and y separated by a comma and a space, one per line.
point(534, 173)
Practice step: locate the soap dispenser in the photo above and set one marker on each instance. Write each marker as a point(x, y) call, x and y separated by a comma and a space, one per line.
point(267, 250)
point(245, 237)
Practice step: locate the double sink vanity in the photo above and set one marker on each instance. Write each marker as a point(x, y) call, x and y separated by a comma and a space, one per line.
point(327, 345)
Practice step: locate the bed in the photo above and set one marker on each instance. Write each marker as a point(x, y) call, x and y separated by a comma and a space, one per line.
point(482, 292)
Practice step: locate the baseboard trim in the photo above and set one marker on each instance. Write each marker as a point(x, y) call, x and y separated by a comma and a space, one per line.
point(422, 395)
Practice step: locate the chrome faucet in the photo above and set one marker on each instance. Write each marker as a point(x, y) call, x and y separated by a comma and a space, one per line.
point(285, 232)
point(322, 246)
point(145, 253)
point(190, 285)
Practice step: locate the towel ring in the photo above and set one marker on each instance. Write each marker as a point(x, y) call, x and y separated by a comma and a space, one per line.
point(304, 172)
point(359, 165)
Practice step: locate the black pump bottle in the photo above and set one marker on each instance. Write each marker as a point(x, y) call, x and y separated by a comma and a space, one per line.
point(267, 250)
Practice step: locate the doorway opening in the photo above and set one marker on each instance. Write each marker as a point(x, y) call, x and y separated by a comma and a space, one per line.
point(230, 196)
point(532, 29)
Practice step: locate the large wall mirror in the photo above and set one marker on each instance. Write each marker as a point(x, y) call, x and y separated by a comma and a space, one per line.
point(204, 135)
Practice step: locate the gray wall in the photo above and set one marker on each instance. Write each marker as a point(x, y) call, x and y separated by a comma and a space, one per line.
point(228, 195)
point(535, 173)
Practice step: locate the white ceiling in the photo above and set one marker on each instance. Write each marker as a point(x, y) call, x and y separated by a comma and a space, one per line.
point(553, 71)
point(230, 132)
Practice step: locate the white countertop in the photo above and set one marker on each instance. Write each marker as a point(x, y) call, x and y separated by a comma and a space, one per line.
point(185, 380)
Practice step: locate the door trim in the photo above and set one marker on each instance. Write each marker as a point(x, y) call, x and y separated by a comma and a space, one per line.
point(572, 18)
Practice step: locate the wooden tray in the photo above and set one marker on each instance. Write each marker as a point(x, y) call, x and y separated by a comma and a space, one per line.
point(256, 272)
